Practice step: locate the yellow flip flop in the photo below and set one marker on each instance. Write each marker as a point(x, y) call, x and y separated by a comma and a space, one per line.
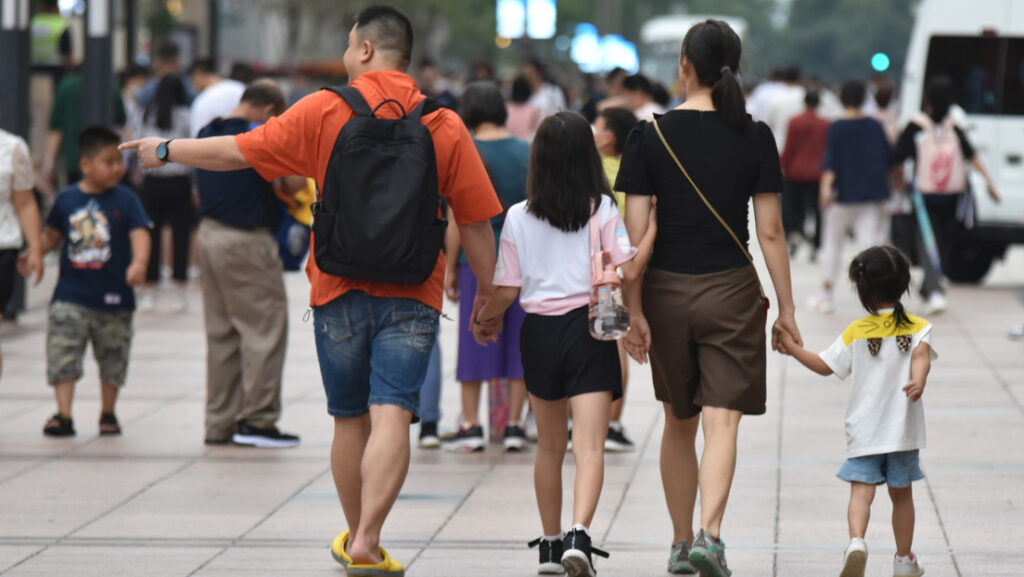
point(388, 567)
point(338, 549)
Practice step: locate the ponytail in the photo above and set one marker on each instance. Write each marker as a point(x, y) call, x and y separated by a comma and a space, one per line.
point(714, 49)
point(899, 314)
point(727, 96)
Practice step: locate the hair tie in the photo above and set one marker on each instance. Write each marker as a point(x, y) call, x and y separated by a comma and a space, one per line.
point(726, 70)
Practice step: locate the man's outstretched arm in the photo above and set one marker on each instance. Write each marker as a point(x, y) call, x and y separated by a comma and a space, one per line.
point(219, 153)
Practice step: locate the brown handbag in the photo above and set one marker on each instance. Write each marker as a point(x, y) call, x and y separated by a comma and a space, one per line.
point(766, 303)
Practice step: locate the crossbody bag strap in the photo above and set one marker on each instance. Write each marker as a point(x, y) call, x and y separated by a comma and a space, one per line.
point(707, 203)
point(595, 243)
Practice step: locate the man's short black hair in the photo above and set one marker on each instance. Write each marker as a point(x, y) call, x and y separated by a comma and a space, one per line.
point(94, 139)
point(389, 29)
point(638, 82)
point(134, 71)
point(619, 121)
point(242, 72)
point(482, 102)
point(265, 92)
point(167, 52)
point(203, 65)
point(812, 99)
point(853, 94)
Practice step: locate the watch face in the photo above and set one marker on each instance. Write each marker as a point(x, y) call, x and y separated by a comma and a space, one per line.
point(161, 151)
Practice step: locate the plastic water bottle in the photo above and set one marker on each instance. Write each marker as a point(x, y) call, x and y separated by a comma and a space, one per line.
point(608, 317)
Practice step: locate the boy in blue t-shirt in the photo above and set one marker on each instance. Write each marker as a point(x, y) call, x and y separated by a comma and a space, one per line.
point(105, 254)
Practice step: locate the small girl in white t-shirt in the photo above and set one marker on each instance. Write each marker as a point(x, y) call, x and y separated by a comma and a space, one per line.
point(889, 355)
point(545, 259)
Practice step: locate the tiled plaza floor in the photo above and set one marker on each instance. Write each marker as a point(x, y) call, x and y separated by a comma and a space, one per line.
point(157, 502)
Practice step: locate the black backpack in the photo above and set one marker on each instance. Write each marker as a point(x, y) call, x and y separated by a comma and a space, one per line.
point(377, 216)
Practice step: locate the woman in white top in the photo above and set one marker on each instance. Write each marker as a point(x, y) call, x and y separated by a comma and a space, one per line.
point(18, 213)
point(545, 259)
point(167, 190)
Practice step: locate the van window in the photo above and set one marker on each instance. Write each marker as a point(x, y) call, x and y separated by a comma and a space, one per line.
point(973, 63)
point(1013, 91)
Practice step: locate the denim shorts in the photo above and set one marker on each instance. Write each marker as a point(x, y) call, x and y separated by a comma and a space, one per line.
point(373, 351)
point(895, 469)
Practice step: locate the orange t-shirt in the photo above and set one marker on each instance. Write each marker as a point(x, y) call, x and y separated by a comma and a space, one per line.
point(300, 141)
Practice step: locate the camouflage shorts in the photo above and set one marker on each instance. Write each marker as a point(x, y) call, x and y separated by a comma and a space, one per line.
point(72, 326)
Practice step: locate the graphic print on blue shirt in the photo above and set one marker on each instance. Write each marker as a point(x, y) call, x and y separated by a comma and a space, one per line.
point(97, 248)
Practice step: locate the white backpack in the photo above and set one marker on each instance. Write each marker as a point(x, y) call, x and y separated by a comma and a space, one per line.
point(940, 159)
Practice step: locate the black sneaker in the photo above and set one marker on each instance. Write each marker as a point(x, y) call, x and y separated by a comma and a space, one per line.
point(252, 437)
point(467, 440)
point(515, 438)
point(616, 441)
point(428, 436)
point(550, 556)
point(576, 554)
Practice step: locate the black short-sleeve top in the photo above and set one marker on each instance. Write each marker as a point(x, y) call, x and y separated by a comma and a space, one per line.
point(730, 166)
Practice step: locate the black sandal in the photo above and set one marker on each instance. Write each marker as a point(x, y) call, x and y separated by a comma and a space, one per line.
point(109, 425)
point(59, 426)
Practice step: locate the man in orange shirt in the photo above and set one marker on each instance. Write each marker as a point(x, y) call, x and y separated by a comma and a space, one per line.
point(373, 339)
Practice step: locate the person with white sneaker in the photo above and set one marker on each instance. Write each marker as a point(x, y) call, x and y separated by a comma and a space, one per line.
point(887, 356)
point(940, 150)
point(854, 188)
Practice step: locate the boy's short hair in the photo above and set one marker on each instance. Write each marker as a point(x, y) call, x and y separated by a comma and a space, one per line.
point(264, 92)
point(94, 139)
point(203, 66)
point(167, 51)
point(853, 94)
point(619, 121)
point(812, 99)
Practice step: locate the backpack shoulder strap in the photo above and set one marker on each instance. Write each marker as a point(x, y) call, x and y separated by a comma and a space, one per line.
point(426, 106)
point(923, 120)
point(354, 99)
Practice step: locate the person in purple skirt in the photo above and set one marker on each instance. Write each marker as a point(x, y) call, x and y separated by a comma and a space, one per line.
point(507, 160)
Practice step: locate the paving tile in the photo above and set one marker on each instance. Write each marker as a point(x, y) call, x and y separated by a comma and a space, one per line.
point(61, 496)
point(207, 500)
point(11, 555)
point(115, 561)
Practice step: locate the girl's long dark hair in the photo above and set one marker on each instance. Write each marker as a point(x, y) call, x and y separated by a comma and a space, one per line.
point(566, 177)
point(714, 49)
point(939, 94)
point(170, 94)
point(882, 275)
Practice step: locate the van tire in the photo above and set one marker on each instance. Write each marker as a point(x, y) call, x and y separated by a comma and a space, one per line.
point(970, 261)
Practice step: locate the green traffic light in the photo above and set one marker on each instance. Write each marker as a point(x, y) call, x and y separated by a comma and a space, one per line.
point(880, 62)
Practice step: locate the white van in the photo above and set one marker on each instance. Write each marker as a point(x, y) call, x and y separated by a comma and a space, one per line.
point(980, 45)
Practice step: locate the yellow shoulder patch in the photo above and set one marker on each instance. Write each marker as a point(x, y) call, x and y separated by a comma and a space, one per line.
point(880, 327)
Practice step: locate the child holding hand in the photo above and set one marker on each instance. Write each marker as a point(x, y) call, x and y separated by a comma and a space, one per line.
point(887, 356)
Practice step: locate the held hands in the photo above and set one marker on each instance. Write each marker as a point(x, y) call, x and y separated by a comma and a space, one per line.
point(914, 390)
point(31, 263)
point(136, 274)
point(638, 339)
point(146, 148)
point(486, 331)
point(785, 334)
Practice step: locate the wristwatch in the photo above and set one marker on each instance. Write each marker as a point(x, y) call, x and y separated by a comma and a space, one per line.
point(162, 152)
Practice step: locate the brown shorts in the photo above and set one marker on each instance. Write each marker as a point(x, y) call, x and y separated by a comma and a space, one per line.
point(708, 344)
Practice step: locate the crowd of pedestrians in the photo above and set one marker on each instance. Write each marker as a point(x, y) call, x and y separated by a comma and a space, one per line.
point(531, 191)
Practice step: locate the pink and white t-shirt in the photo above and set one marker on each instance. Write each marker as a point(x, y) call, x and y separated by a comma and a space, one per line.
point(551, 267)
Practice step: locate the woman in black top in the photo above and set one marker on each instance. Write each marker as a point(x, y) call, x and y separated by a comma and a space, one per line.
point(700, 293)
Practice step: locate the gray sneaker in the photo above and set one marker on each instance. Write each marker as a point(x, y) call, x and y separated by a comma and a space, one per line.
point(708, 556)
point(679, 559)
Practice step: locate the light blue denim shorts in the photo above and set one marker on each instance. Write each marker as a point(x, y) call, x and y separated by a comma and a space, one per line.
point(897, 470)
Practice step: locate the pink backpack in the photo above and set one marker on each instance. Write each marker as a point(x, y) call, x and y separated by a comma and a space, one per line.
point(940, 160)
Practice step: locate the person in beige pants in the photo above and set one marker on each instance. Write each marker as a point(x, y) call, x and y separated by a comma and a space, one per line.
point(244, 301)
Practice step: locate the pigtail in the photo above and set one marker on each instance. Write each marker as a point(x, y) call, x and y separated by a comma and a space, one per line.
point(899, 314)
